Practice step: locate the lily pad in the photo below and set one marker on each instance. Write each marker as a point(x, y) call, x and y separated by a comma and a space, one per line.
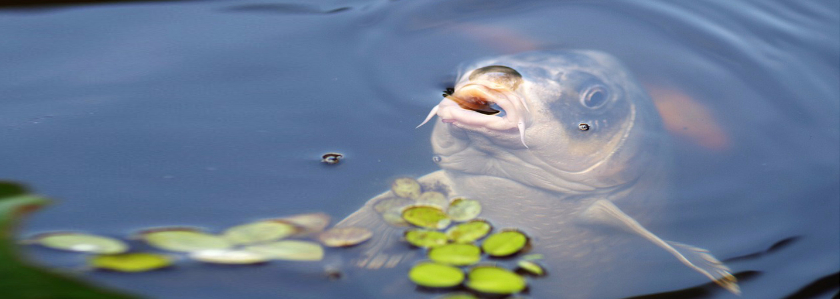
point(457, 296)
point(434, 275)
point(468, 232)
point(456, 254)
point(183, 239)
point(390, 209)
point(290, 250)
point(505, 243)
point(229, 257)
point(425, 238)
point(344, 236)
point(494, 280)
point(426, 216)
point(462, 209)
point(309, 223)
point(261, 231)
point(406, 188)
point(432, 198)
point(80, 242)
point(530, 267)
point(130, 262)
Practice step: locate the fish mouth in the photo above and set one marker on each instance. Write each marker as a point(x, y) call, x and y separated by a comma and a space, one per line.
point(473, 106)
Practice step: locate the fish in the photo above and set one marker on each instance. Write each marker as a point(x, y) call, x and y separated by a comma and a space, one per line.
point(564, 145)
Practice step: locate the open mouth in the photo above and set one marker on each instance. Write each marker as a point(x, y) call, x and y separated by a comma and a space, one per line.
point(477, 105)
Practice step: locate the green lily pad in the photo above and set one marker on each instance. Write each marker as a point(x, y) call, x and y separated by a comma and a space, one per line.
point(344, 236)
point(434, 275)
point(468, 232)
point(462, 209)
point(80, 242)
point(505, 243)
point(183, 239)
point(457, 296)
point(290, 250)
point(261, 231)
point(406, 188)
point(309, 223)
point(229, 257)
point(432, 198)
point(130, 262)
point(426, 216)
point(494, 280)
point(456, 254)
point(425, 238)
point(530, 267)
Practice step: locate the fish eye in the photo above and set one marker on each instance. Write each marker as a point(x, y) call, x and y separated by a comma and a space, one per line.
point(594, 97)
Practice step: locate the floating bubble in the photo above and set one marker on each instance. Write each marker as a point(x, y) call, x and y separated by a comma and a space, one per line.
point(130, 262)
point(468, 232)
point(426, 216)
point(406, 188)
point(504, 243)
point(434, 275)
point(494, 280)
point(80, 242)
point(290, 250)
point(462, 209)
point(344, 236)
point(456, 254)
point(425, 238)
point(183, 239)
point(261, 231)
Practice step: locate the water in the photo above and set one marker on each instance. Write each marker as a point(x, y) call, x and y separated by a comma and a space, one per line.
point(216, 113)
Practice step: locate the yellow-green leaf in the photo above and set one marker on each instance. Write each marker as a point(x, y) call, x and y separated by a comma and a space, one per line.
point(426, 216)
point(504, 243)
point(425, 238)
point(494, 280)
point(468, 232)
point(80, 242)
point(530, 267)
point(183, 239)
point(130, 262)
point(456, 254)
point(462, 209)
point(435, 275)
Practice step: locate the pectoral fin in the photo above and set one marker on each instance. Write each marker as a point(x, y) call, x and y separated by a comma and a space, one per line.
point(699, 259)
point(385, 249)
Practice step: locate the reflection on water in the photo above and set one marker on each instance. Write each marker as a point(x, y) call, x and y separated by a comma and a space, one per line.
point(214, 113)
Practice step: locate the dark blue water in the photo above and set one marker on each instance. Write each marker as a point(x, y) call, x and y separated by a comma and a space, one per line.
point(216, 113)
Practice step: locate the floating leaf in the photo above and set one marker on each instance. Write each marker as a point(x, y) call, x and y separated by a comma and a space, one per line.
point(504, 243)
point(344, 236)
point(229, 257)
point(309, 223)
point(531, 268)
point(494, 280)
point(532, 257)
point(390, 209)
point(462, 209)
point(130, 262)
point(435, 275)
point(456, 254)
point(395, 219)
point(183, 239)
point(290, 250)
point(425, 238)
point(457, 296)
point(406, 188)
point(262, 231)
point(469, 232)
point(80, 242)
point(433, 198)
point(426, 216)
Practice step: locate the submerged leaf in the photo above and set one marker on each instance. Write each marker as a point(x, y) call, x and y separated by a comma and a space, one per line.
point(456, 254)
point(435, 275)
point(130, 262)
point(183, 239)
point(406, 188)
point(262, 231)
point(229, 257)
point(290, 250)
point(469, 232)
point(494, 280)
point(504, 243)
point(425, 238)
point(530, 267)
point(81, 242)
point(309, 223)
point(462, 209)
point(432, 198)
point(344, 236)
point(426, 216)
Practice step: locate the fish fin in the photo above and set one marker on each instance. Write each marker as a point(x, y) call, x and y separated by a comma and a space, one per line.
point(386, 249)
point(699, 259)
